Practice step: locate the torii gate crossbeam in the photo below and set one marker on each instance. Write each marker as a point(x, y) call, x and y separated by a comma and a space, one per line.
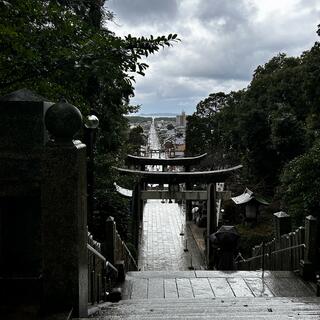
point(208, 177)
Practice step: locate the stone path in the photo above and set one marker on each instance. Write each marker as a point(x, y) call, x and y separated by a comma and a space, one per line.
point(189, 295)
point(161, 245)
point(210, 284)
point(246, 308)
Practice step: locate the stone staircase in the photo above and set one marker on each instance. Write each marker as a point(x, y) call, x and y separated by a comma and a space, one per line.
point(213, 295)
point(215, 308)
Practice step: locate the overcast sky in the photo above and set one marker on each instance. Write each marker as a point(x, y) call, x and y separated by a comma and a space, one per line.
point(222, 43)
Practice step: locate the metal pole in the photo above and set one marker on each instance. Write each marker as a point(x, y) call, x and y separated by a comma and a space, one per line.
point(186, 246)
point(262, 262)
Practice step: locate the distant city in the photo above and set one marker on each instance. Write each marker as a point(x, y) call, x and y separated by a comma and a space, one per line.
point(165, 114)
point(170, 128)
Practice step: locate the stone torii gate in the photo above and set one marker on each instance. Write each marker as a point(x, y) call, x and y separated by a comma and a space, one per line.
point(210, 178)
point(186, 163)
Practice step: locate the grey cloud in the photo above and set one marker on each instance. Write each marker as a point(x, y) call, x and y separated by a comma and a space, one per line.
point(226, 14)
point(223, 41)
point(308, 3)
point(185, 96)
point(236, 55)
point(144, 11)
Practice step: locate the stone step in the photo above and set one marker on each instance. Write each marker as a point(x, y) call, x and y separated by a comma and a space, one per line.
point(229, 308)
point(214, 284)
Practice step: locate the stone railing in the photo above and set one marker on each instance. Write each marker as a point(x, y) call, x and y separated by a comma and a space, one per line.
point(283, 255)
point(293, 251)
point(102, 275)
point(116, 251)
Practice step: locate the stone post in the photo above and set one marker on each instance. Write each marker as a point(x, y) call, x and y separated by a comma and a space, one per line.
point(188, 202)
point(22, 139)
point(308, 264)
point(282, 225)
point(64, 214)
point(110, 240)
point(90, 130)
point(211, 220)
point(136, 209)
point(142, 187)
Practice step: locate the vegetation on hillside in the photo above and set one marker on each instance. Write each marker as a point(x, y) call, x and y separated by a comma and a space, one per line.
point(138, 119)
point(271, 127)
point(60, 48)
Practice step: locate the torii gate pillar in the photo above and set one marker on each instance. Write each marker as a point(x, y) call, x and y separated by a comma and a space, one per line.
point(188, 202)
point(136, 213)
point(211, 221)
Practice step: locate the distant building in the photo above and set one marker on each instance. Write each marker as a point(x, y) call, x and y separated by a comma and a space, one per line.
point(181, 120)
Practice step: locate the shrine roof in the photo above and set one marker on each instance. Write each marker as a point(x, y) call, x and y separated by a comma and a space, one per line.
point(248, 196)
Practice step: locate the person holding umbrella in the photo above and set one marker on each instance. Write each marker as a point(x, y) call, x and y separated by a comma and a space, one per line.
point(225, 243)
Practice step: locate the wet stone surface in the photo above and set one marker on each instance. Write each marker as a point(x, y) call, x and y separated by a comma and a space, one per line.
point(214, 284)
point(161, 245)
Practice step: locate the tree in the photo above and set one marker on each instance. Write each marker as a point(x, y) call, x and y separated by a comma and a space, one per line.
point(61, 48)
point(300, 185)
point(136, 140)
point(266, 125)
point(288, 136)
point(211, 105)
point(170, 126)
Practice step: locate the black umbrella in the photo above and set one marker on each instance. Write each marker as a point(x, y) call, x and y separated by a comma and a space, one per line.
point(226, 236)
point(226, 239)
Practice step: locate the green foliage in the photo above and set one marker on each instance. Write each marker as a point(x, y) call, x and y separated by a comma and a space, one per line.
point(50, 48)
point(287, 134)
point(136, 139)
point(170, 126)
point(61, 48)
point(250, 237)
point(138, 119)
point(272, 121)
point(196, 129)
point(300, 185)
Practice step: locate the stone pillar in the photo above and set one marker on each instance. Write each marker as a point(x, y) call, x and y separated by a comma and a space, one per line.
point(188, 202)
point(308, 264)
point(211, 220)
point(110, 240)
point(142, 187)
point(64, 215)
point(282, 225)
point(136, 209)
point(22, 139)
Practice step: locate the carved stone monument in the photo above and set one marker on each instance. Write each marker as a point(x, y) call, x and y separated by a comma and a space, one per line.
point(22, 141)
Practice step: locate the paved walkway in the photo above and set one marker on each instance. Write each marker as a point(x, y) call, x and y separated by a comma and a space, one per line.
point(210, 284)
point(161, 246)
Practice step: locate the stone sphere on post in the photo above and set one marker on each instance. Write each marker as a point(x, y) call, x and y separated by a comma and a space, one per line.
point(91, 122)
point(63, 120)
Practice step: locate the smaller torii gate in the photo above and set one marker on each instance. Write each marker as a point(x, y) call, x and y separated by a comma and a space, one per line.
point(140, 163)
point(210, 178)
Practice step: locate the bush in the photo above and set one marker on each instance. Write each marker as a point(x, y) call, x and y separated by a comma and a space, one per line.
point(250, 237)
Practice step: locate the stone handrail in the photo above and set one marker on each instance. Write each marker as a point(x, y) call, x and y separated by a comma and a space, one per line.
point(292, 251)
point(279, 255)
point(115, 248)
point(102, 275)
